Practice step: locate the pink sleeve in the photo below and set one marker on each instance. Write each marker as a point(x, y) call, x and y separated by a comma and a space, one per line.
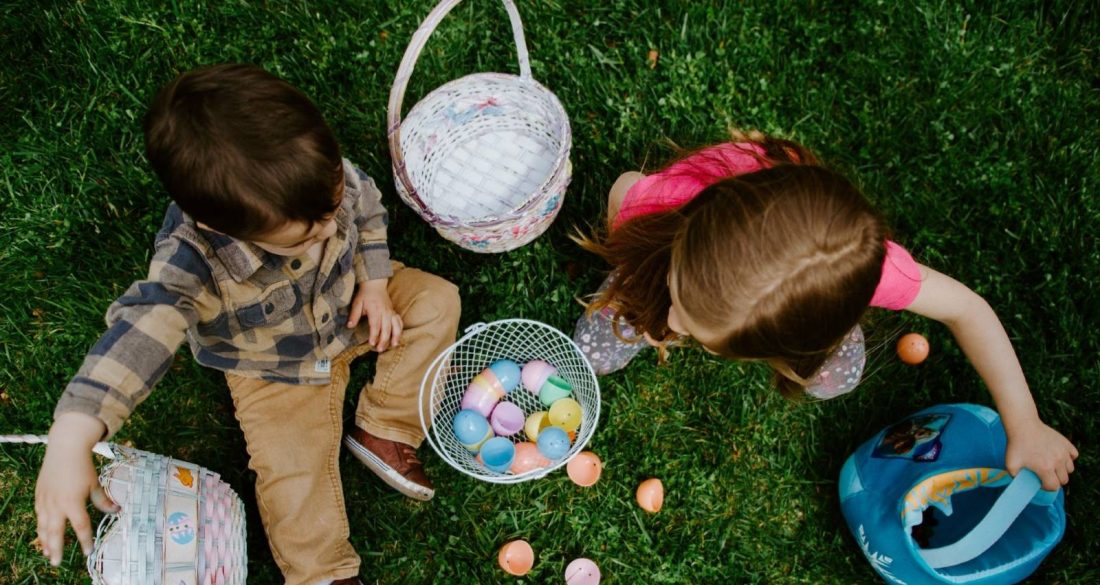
point(900, 280)
point(682, 181)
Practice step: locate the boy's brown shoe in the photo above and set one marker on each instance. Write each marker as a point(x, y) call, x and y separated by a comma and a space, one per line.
point(394, 462)
point(348, 581)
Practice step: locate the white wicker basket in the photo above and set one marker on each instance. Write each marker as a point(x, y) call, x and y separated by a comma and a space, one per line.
point(519, 340)
point(180, 524)
point(485, 158)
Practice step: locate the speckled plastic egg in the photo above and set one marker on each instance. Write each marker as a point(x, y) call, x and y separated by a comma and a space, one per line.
point(553, 443)
point(535, 373)
point(516, 558)
point(585, 469)
point(471, 429)
point(582, 571)
point(497, 454)
point(507, 372)
point(913, 348)
point(528, 458)
point(566, 413)
point(507, 419)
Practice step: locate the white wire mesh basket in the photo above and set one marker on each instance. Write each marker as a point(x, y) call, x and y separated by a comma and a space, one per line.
point(485, 158)
point(179, 523)
point(521, 341)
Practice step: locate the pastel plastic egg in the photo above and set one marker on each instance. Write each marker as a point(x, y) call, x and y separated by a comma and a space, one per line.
point(913, 348)
point(528, 458)
point(553, 443)
point(507, 419)
point(582, 571)
point(585, 469)
point(497, 454)
point(565, 413)
point(516, 558)
point(535, 373)
point(483, 393)
point(471, 429)
point(535, 423)
point(554, 390)
point(507, 372)
point(651, 495)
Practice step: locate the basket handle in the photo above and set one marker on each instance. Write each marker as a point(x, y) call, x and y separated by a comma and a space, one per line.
point(100, 448)
point(1025, 489)
point(401, 82)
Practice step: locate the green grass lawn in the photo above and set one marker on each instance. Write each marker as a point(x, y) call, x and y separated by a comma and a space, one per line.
point(975, 129)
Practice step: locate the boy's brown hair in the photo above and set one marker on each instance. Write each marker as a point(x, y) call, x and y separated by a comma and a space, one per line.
point(775, 265)
point(242, 151)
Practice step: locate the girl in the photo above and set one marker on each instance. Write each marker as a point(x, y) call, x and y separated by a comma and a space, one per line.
point(757, 252)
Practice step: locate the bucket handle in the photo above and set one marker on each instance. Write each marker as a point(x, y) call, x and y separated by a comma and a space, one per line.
point(401, 82)
point(1025, 489)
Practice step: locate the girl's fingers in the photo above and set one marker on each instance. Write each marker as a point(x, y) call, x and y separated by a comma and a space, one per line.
point(55, 539)
point(1063, 476)
point(102, 501)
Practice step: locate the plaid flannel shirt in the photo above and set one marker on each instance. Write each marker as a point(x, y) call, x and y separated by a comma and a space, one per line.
point(242, 309)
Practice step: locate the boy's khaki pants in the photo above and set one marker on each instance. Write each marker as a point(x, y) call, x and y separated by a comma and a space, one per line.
point(293, 433)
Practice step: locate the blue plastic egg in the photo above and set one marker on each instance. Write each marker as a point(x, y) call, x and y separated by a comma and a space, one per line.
point(471, 429)
point(497, 454)
point(507, 372)
point(553, 443)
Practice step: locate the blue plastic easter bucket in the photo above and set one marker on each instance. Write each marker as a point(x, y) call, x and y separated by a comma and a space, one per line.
point(929, 501)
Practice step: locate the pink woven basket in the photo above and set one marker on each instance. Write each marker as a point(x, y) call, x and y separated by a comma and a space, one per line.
point(485, 158)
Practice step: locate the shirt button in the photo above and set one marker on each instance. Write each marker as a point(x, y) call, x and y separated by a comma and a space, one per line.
point(324, 318)
point(296, 264)
point(331, 337)
point(268, 308)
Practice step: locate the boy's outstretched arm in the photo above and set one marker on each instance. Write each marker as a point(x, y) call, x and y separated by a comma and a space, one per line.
point(1031, 443)
point(145, 327)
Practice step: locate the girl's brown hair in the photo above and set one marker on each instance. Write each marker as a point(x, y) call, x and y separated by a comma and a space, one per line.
point(776, 265)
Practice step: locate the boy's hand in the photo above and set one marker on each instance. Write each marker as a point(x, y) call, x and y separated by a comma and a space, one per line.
point(1042, 450)
point(372, 298)
point(67, 479)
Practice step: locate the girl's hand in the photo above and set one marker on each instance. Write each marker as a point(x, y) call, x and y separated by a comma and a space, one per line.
point(1042, 450)
point(67, 479)
point(386, 325)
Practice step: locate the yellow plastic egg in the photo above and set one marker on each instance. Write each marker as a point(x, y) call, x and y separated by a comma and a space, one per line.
point(516, 558)
point(651, 495)
point(566, 413)
point(585, 469)
point(534, 425)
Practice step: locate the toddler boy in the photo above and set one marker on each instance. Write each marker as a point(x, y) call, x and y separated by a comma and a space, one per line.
point(272, 262)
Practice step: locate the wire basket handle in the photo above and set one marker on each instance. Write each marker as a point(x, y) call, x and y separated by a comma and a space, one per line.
point(401, 82)
point(100, 448)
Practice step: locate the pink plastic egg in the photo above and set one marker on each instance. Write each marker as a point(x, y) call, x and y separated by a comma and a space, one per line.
point(534, 375)
point(651, 495)
point(507, 419)
point(585, 469)
point(528, 458)
point(516, 558)
point(483, 393)
point(582, 571)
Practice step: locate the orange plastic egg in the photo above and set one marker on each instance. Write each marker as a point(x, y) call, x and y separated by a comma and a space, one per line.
point(913, 348)
point(651, 495)
point(585, 469)
point(528, 458)
point(516, 558)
